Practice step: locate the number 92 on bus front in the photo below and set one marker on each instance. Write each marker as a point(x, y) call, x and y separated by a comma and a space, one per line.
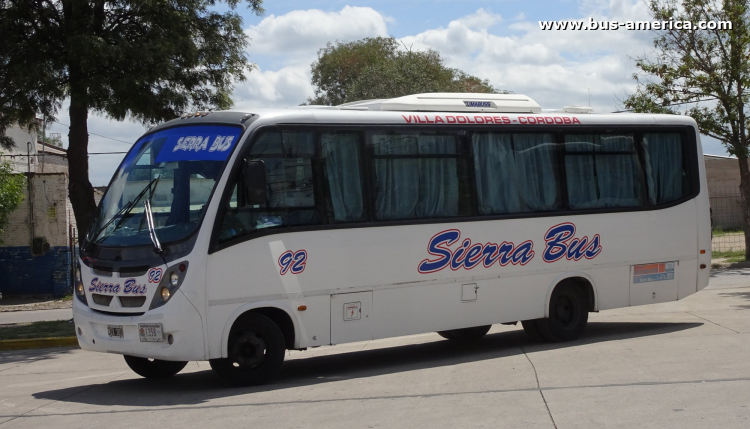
point(150, 332)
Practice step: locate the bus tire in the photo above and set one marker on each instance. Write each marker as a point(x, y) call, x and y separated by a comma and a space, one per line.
point(531, 329)
point(568, 314)
point(256, 351)
point(154, 368)
point(465, 334)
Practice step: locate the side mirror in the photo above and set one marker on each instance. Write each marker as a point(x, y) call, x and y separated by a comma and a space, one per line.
point(254, 173)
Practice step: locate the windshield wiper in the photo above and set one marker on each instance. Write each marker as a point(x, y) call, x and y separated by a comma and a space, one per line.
point(150, 222)
point(125, 210)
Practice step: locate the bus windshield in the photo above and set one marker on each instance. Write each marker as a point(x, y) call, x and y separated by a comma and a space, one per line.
point(175, 170)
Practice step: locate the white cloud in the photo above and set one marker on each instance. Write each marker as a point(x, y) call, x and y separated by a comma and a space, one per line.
point(306, 31)
point(289, 86)
point(554, 67)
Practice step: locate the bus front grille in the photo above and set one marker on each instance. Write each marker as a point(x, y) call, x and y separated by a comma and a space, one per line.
point(132, 301)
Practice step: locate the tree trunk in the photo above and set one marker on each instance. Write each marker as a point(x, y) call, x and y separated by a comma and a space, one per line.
point(79, 188)
point(745, 192)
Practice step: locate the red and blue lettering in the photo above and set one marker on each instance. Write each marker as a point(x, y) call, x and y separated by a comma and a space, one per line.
point(561, 243)
point(468, 255)
point(293, 262)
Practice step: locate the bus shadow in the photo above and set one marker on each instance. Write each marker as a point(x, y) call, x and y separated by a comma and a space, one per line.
point(202, 386)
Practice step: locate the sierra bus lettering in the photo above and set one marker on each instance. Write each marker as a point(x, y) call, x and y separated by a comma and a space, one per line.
point(559, 243)
point(468, 256)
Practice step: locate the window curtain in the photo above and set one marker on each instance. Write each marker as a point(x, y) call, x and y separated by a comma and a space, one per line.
point(415, 187)
point(341, 155)
point(664, 172)
point(602, 179)
point(515, 172)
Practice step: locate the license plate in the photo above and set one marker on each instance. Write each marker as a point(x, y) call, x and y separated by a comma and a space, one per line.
point(115, 331)
point(150, 332)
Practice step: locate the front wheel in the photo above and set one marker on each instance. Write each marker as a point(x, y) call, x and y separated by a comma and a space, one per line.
point(465, 334)
point(256, 352)
point(154, 368)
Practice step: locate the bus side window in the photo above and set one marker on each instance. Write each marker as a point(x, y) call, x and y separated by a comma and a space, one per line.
point(341, 167)
point(603, 171)
point(288, 160)
point(516, 173)
point(419, 175)
point(667, 168)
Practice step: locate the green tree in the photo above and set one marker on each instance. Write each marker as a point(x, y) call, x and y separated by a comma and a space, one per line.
point(710, 66)
point(377, 68)
point(147, 60)
point(11, 193)
point(53, 139)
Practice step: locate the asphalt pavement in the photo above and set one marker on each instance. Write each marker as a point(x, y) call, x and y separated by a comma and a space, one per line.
point(682, 365)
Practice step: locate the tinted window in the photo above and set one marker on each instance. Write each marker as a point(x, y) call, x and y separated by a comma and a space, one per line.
point(602, 171)
point(341, 167)
point(298, 177)
point(419, 176)
point(516, 173)
point(667, 172)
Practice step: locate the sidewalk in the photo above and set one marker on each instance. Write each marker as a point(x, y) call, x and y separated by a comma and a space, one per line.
point(8, 317)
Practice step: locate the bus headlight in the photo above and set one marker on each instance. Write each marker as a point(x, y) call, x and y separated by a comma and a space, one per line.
point(80, 290)
point(169, 283)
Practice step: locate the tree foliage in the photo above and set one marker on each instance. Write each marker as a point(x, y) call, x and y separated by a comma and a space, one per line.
point(52, 140)
point(11, 193)
point(378, 68)
point(147, 60)
point(710, 66)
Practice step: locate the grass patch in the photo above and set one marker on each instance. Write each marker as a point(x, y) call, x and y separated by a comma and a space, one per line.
point(21, 331)
point(730, 255)
point(67, 298)
point(720, 232)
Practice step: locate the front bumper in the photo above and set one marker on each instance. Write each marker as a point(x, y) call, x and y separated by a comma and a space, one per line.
point(178, 318)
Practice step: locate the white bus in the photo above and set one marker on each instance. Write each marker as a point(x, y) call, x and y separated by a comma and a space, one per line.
point(233, 236)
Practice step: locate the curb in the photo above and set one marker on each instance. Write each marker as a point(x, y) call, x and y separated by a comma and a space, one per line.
point(728, 265)
point(38, 343)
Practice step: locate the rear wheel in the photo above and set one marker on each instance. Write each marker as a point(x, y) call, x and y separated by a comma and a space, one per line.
point(154, 368)
point(465, 334)
point(256, 352)
point(568, 314)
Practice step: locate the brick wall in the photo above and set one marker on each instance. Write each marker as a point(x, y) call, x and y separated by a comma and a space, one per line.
point(51, 163)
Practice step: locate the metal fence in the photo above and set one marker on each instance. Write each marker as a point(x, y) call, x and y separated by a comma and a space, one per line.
point(726, 215)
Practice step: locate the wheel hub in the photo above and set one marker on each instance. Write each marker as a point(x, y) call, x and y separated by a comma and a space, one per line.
point(565, 311)
point(249, 349)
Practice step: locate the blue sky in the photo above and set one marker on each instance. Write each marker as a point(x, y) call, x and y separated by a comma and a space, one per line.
point(496, 40)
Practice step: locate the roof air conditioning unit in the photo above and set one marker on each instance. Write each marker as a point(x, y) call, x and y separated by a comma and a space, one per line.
point(451, 102)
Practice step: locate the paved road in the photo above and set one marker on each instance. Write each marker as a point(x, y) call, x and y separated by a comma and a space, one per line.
point(35, 316)
point(677, 365)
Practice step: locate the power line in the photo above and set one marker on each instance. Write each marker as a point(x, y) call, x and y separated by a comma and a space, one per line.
point(98, 135)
